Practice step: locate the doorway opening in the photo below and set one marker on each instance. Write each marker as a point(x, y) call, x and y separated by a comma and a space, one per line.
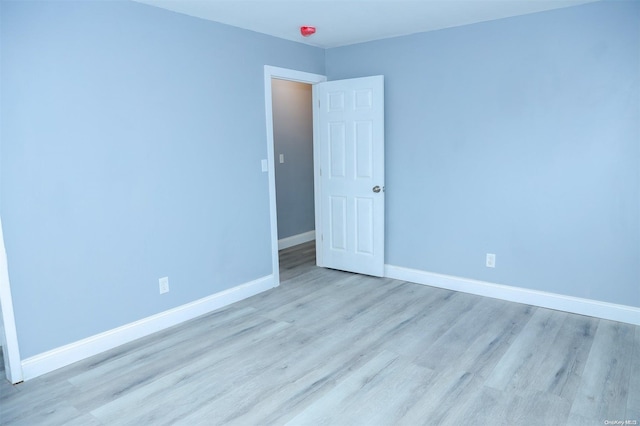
point(282, 83)
point(292, 109)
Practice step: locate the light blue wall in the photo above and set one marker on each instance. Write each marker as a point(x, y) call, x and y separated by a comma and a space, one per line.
point(131, 146)
point(519, 137)
point(293, 137)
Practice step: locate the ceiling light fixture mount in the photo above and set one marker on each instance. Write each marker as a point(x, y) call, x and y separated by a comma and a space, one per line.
point(306, 30)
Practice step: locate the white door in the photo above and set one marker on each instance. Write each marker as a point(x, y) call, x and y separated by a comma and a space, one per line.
point(350, 181)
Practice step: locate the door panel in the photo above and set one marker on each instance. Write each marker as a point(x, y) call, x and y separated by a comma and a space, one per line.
point(364, 230)
point(350, 149)
point(337, 150)
point(338, 223)
point(364, 149)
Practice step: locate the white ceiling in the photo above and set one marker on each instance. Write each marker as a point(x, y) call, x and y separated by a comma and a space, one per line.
point(341, 23)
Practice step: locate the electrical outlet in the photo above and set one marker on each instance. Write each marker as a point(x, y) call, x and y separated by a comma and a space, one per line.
point(164, 285)
point(491, 260)
point(281, 158)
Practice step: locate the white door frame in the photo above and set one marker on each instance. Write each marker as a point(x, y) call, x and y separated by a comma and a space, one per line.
point(11, 352)
point(301, 77)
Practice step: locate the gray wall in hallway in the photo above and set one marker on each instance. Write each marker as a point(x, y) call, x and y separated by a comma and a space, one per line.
point(293, 137)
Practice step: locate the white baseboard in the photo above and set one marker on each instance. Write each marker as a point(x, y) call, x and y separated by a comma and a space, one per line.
point(56, 358)
point(576, 305)
point(294, 240)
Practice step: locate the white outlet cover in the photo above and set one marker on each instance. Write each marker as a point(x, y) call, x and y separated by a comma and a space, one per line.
point(491, 260)
point(163, 283)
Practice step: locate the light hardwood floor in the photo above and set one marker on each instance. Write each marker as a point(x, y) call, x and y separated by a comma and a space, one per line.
point(334, 348)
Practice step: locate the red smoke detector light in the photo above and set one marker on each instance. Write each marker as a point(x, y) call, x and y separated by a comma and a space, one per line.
point(307, 31)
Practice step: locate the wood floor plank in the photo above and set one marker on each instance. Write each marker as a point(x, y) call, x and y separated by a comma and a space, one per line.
point(438, 313)
point(205, 379)
point(462, 334)
point(487, 406)
point(561, 369)
point(216, 325)
point(495, 338)
point(381, 300)
point(537, 408)
point(34, 398)
point(202, 351)
point(448, 389)
point(60, 414)
point(305, 285)
point(633, 400)
point(6, 389)
point(578, 420)
point(490, 406)
point(385, 380)
point(294, 261)
point(525, 355)
point(307, 308)
point(604, 388)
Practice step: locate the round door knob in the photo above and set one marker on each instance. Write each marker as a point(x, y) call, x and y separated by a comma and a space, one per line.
point(376, 189)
